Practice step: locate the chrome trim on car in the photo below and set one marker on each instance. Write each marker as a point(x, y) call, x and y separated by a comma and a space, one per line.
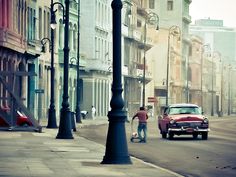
point(185, 130)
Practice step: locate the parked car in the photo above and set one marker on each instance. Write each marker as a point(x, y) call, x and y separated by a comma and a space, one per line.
point(183, 119)
point(21, 120)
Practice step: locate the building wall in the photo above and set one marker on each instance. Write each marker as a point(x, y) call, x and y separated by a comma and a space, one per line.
point(176, 13)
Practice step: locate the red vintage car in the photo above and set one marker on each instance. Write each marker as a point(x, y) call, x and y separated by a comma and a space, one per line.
point(183, 119)
point(21, 120)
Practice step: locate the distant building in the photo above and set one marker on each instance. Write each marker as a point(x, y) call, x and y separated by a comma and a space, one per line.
point(219, 37)
point(222, 56)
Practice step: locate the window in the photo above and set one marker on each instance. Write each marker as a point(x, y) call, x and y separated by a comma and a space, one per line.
point(40, 23)
point(190, 50)
point(139, 23)
point(31, 23)
point(152, 4)
point(44, 22)
point(19, 17)
point(160, 92)
point(75, 34)
point(34, 24)
point(40, 71)
point(189, 74)
point(170, 5)
point(48, 25)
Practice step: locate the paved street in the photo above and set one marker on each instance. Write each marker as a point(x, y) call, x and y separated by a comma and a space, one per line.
point(33, 154)
point(206, 158)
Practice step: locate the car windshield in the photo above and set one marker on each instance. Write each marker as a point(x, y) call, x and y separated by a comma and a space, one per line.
point(184, 110)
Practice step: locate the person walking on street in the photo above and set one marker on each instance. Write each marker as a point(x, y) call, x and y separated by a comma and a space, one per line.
point(93, 112)
point(142, 125)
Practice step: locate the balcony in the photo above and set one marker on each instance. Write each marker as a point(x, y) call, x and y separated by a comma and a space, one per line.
point(99, 65)
point(12, 40)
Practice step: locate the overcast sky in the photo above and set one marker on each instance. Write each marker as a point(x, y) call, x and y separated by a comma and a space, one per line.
point(215, 9)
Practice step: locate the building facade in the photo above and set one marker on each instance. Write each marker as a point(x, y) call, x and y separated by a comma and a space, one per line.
point(18, 55)
point(172, 46)
point(136, 41)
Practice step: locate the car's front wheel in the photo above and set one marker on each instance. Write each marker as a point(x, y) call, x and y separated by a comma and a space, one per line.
point(205, 135)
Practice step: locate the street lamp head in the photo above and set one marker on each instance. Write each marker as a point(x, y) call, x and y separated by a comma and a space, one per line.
point(53, 20)
point(53, 14)
point(43, 42)
point(53, 25)
point(153, 19)
point(43, 49)
point(73, 60)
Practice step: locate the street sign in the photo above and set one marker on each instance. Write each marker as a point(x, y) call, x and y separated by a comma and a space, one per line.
point(39, 90)
point(152, 100)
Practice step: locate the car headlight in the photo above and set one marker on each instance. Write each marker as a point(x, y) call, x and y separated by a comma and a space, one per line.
point(205, 121)
point(172, 121)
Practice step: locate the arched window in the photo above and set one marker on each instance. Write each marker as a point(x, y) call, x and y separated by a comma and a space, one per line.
point(75, 37)
point(189, 74)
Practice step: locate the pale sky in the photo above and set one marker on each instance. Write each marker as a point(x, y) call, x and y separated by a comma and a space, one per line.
point(215, 9)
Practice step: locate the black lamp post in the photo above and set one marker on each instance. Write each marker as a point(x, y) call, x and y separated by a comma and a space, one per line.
point(229, 90)
point(173, 30)
point(151, 18)
point(64, 131)
point(116, 143)
point(77, 108)
point(212, 87)
point(52, 121)
point(51, 112)
point(221, 88)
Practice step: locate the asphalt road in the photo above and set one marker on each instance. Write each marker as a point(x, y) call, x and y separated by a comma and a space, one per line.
point(215, 157)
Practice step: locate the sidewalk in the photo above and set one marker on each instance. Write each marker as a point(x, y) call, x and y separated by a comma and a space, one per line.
point(33, 154)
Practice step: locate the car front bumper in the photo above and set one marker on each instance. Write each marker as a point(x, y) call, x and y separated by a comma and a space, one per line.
point(188, 130)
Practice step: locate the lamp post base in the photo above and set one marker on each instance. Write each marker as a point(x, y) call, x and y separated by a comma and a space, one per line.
point(65, 126)
point(78, 115)
point(116, 144)
point(52, 123)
